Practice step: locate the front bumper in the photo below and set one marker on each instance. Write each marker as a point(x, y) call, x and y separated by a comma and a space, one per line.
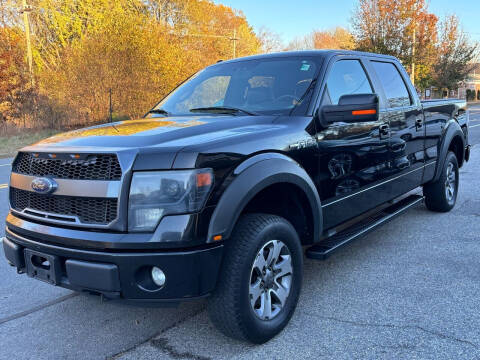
point(120, 274)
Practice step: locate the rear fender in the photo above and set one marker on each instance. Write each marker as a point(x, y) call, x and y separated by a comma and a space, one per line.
point(452, 130)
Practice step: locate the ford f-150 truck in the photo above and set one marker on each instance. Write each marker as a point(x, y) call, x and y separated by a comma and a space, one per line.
point(221, 187)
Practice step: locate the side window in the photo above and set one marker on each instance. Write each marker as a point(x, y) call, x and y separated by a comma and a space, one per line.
point(393, 84)
point(347, 77)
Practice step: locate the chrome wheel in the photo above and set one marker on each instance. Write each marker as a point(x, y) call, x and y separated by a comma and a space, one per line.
point(270, 279)
point(450, 183)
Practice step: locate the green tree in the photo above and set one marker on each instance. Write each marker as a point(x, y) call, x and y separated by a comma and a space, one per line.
point(391, 26)
point(455, 55)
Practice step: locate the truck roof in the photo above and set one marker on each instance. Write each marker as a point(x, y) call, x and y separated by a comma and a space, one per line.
point(318, 53)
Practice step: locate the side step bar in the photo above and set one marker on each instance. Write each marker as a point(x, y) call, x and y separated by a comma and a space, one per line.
point(324, 249)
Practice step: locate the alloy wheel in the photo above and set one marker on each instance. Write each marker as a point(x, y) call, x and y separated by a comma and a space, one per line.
point(450, 183)
point(270, 280)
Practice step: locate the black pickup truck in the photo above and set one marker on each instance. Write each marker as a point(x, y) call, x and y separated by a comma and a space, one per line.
point(222, 185)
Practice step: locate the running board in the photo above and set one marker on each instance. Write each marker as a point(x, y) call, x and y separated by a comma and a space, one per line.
point(325, 248)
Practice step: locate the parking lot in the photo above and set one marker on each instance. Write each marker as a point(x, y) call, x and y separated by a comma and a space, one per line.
point(411, 289)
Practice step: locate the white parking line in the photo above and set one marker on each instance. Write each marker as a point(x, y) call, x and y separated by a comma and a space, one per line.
point(3, 186)
point(471, 127)
point(5, 164)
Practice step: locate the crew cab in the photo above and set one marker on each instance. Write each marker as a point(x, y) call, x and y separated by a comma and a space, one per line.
point(223, 186)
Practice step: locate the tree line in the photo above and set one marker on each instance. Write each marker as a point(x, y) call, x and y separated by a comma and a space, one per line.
point(437, 51)
point(139, 50)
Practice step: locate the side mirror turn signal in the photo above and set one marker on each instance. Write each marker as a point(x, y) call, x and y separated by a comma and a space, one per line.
point(351, 109)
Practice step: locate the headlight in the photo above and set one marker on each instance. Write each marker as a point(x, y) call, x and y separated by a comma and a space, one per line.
point(156, 194)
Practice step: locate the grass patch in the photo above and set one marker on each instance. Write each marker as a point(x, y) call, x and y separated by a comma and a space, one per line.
point(9, 144)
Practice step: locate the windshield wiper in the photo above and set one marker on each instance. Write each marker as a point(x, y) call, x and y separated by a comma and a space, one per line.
point(159, 111)
point(223, 110)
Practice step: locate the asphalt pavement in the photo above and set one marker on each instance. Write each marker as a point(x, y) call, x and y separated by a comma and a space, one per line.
point(408, 290)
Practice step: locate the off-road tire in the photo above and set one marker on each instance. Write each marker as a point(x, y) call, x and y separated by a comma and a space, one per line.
point(436, 198)
point(229, 307)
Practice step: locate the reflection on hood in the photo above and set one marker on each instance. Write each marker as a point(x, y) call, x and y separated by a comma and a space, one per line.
point(123, 128)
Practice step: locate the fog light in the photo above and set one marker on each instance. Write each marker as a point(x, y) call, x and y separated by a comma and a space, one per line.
point(158, 276)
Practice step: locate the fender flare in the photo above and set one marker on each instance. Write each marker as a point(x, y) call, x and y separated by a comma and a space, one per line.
point(452, 130)
point(254, 175)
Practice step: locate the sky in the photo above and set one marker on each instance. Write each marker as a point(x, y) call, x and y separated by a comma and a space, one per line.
point(299, 17)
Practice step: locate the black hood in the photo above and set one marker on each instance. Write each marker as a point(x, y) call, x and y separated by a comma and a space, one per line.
point(162, 137)
point(157, 132)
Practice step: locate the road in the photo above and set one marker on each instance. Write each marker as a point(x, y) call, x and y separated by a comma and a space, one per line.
point(407, 290)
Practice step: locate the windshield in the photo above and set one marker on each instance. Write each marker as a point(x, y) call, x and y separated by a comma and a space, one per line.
point(266, 86)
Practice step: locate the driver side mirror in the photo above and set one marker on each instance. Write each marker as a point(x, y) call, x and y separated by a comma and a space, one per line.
point(351, 109)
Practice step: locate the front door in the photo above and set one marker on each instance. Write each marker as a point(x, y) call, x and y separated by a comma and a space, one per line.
point(353, 157)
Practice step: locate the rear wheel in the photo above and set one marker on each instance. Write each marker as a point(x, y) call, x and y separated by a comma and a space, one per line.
point(441, 195)
point(260, 279)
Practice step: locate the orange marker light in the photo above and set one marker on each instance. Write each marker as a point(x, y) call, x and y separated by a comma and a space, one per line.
point(204, 179)
point(36, 155)
point(53, 156)
point(217, 238)
point(364, 112)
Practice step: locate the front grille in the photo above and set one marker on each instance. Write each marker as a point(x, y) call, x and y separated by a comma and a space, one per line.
point(93, 167)
point(99, 211)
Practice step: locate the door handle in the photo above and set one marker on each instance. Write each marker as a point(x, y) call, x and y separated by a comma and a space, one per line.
point(384, 130)
point(398, 147)
point(403, 164)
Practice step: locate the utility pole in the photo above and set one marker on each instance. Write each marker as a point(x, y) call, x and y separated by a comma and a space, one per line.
point(234, 39)
point(412, 75)
point(25, 10)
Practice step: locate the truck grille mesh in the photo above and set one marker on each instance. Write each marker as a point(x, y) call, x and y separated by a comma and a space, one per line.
point(88, 210)
point(94, 167)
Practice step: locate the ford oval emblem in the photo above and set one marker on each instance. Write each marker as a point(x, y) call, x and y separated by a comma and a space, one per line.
point(44, 185)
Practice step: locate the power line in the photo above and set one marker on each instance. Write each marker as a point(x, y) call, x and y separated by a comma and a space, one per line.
point(233, 38)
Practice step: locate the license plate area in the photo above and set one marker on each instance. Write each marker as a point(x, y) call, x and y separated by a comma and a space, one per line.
point(42, 266)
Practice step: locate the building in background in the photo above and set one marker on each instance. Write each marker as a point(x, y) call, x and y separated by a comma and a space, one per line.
point(471, 86)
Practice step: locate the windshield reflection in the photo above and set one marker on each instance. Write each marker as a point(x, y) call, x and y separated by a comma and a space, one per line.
point(267, 86)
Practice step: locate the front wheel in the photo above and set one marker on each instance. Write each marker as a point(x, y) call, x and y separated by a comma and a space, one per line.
point(260, 280)
point(441, 195)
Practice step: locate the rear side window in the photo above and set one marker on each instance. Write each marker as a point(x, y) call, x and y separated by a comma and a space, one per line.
point(347, 77)
point(393, 84)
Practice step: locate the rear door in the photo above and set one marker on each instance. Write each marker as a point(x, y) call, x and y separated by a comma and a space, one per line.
point(402, 110)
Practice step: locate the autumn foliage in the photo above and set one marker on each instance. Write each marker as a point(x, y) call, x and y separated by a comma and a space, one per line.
point(141, 49)
point(338, 38)
point(12, 73)
point(138, 49)
point(406, 29)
